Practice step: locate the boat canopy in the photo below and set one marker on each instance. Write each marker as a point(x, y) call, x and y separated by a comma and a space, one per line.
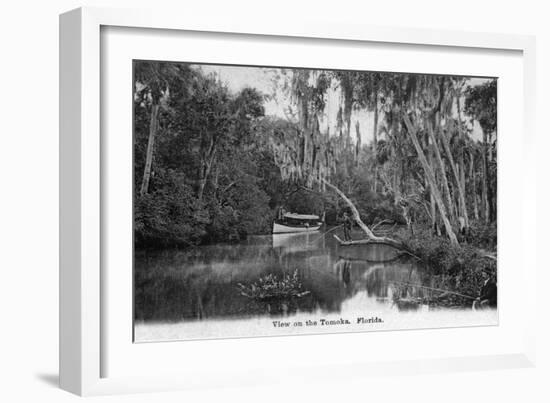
point(301, 216)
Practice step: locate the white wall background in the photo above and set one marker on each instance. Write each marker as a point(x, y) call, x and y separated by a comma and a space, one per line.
point(29, 200)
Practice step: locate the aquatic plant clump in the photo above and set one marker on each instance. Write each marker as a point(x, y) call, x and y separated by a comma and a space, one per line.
point(271, 286)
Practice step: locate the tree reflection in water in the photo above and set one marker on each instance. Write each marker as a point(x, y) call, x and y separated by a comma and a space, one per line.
point(202, 283)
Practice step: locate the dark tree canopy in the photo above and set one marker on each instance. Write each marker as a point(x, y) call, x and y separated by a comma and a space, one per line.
point(218, 166)
point(481, 105)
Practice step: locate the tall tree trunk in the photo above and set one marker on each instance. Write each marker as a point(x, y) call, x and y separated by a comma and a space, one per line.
point(153, 126)
point(462, 171)
point(348, 105)
point(443, 174)
point(433, 212)
point(357, 143)
point(375, 140)
point(474, 186)
point(375, 124)
point(484, 180)
point(207, 164)
point(431, 179)
point(461, 197)
point(202, 182)
point(462, 182)
point(433, 208)
point(304, 118)
point(491, 190)
point(205, 171)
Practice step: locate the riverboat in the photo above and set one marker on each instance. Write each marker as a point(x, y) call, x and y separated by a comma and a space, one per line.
point(291, 223)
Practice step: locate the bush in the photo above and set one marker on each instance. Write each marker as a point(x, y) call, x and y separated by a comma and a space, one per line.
point(305, 202)
point(484, 235)
point(170, 215)
point(459, 268)
point(242, 210)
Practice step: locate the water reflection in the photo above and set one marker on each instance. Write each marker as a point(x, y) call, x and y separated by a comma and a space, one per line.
point(201, 284)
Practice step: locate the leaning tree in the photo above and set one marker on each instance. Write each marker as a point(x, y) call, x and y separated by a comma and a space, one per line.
point(308, 153)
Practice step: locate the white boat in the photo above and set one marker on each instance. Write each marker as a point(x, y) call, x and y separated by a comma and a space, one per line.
point(292, 223)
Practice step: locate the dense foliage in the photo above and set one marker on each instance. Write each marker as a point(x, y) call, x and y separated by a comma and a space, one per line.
point(203, 184)
point(211, 166)
point(458, 268)
point(213, 175)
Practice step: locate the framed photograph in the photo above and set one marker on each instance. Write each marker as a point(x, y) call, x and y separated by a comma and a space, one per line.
point(241, 199)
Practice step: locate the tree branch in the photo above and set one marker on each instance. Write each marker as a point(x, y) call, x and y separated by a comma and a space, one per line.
point(370, 235)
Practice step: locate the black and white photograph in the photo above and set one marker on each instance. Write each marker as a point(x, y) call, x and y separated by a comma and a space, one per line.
point(308, 201)
point(274, 201)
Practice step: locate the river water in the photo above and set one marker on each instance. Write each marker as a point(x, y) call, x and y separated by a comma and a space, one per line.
point(194, 294)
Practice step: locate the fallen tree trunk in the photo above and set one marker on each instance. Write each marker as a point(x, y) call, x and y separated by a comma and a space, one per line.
point(353, 260)
point(386, 241)
point(353, 209)
point(357, 217)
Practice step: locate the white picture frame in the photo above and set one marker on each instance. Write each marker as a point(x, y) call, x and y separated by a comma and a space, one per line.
point(82, 343)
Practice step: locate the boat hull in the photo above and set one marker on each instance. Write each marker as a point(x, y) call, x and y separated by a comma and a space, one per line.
point(287, 229)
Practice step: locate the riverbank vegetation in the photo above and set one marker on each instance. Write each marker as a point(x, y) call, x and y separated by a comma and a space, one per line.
point(214, 162)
